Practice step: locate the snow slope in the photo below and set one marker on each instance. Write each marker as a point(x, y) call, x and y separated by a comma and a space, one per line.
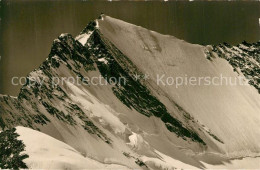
point(230, 112)
point(46, 152)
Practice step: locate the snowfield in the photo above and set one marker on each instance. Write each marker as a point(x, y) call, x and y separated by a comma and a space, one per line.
point(46, 152)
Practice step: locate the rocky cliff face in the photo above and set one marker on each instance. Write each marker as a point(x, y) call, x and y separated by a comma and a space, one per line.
point(244, 58)
point(77, 97)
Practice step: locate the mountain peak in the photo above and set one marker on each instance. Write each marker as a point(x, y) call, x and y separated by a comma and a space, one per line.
point(99, 95)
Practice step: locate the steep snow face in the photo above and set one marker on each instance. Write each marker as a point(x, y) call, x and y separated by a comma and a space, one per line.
point(105, 115)
point(46, 152)
point(229, 112)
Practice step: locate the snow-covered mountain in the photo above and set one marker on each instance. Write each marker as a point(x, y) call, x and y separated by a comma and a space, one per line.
point(140, 124)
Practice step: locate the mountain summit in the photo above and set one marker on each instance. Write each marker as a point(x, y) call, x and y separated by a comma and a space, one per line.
point(106, 99)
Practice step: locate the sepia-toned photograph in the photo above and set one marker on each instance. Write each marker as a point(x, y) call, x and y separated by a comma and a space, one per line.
point(129, 84)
